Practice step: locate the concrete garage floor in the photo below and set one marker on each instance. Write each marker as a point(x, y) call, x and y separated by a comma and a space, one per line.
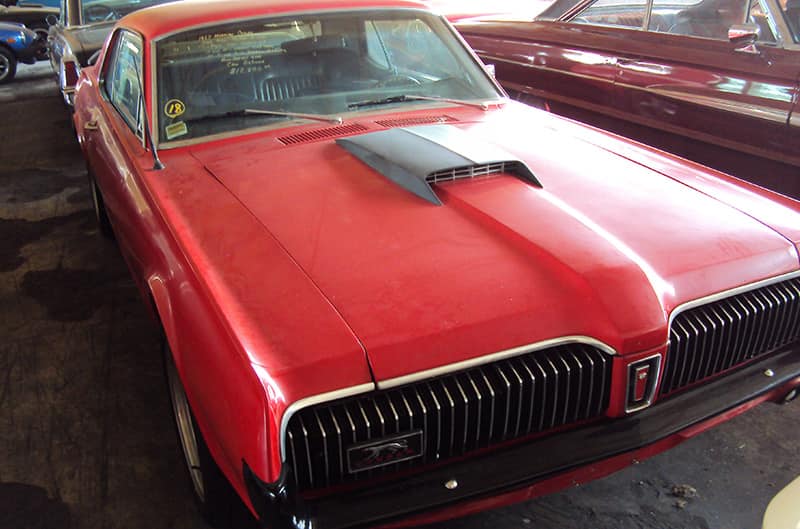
point(86, 435)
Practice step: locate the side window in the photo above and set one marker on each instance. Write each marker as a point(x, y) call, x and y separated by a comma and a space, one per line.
point(618, 13)
point(709, 19)
point(122, 80)
point(791, 12)
point(759, 16)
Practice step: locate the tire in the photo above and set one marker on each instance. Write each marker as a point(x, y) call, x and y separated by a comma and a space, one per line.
point(214, 496)
point(8, 65)
point(41, 32)
point(100, 214)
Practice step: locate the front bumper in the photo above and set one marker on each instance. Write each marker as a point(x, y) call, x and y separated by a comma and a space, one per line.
point(521, 465)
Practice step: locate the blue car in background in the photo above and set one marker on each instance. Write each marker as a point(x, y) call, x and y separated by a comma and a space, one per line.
point(18, 44)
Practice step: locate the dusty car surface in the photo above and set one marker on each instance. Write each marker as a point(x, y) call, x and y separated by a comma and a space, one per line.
point(77, 32)
point(388, 292)
point(724, 72)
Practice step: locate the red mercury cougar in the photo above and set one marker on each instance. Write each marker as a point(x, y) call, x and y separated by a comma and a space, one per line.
point(390, 294)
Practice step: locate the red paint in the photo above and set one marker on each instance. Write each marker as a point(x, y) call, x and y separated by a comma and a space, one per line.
point(281, 272)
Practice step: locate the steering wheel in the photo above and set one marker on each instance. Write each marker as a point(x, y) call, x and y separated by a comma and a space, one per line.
point(399, 80)
point(98, 12)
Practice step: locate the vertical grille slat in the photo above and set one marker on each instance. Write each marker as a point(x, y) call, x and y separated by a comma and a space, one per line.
point(710, 339)
point(457, 413)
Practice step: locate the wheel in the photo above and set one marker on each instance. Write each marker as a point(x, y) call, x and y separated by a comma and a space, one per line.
point(100, 214)
point(8, 65)
point(214, 496)
point(99, 13)
point(41, 33)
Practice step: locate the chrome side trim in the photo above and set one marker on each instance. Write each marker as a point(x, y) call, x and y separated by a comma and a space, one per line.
point(775, 115)
point(650, 394)
point(500, 355)
point(728, 293)
point(316, 399)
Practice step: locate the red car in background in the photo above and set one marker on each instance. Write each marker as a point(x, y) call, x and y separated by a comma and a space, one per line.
point(390, 294)
point(721, 72)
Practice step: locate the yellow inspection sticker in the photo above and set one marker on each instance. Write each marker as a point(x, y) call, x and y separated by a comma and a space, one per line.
point(174, 108)
point(176, 129)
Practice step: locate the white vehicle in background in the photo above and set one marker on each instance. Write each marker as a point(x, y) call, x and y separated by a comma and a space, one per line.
point(783, 512)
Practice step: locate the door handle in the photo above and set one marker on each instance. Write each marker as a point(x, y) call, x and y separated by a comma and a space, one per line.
point(90, 125)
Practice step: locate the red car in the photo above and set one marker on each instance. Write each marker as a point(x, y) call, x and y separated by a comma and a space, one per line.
point(392, 295)
point(721, 72)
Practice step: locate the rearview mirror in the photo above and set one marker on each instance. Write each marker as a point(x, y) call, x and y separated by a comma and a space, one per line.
point(489, 69)
point(744, 36)
point(51, 20)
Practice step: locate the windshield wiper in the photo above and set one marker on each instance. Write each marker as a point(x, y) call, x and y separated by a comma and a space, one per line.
point(278, 113)
point(412, 97)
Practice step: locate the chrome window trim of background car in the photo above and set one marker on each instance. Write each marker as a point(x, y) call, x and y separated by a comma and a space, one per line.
point(154, 124)
point(430, 373)
point(728, 293)
point(778, 29)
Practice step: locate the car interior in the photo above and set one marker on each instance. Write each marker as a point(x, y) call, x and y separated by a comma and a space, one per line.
point(313, 66)
point(706, 19)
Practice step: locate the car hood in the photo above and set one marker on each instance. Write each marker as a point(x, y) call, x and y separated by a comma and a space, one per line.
point(605, 248)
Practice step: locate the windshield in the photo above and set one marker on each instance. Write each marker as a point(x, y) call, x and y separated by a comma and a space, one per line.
point(93, 11)
point(317, 64)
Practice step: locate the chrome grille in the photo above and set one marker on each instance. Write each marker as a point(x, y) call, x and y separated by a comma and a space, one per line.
point(458, 413)
point(715, 337)
point(472, 171)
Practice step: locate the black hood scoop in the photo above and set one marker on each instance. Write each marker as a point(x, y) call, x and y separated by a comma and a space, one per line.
point(416, 157)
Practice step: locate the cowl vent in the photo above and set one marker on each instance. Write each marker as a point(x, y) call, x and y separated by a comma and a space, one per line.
point(321, 134)
point(410, 122)
point(416, 157)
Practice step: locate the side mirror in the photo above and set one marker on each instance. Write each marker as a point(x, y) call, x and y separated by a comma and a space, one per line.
point(51, 20)
point(489, 69)
point(93, 59)
point(744, 37)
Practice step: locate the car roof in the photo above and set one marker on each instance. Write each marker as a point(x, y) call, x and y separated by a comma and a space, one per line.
point(167, 18)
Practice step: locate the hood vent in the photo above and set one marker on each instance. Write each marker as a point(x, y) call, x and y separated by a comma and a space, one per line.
point(416, 157)
point(410, 122)
point(321, 134)
point(476, 171)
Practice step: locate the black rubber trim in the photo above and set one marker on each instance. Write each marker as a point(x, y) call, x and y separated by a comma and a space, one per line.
point(521, 465)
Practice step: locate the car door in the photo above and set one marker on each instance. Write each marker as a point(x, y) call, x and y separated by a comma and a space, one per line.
point(552, 60)
point(115, 142)
point(683, 75)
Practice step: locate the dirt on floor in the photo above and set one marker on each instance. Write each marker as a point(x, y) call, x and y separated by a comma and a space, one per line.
point(86, 436)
